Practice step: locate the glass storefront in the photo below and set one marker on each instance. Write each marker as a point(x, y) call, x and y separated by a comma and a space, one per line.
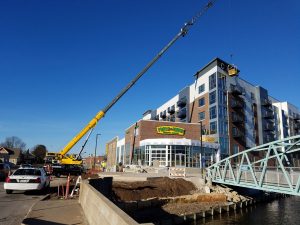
point(175, 154)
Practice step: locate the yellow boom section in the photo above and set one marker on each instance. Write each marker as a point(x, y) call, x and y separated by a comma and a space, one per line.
point(89, 126)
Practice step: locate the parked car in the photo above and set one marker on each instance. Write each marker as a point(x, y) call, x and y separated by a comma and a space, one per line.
point(4, 170)
point(25, 179)
point(25, 165)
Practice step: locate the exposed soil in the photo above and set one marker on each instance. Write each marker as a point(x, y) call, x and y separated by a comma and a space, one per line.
point(189, 208)
point(89, 175)
point(153, 187)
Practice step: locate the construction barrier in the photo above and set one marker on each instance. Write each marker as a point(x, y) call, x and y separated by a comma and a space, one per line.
point(177, 172)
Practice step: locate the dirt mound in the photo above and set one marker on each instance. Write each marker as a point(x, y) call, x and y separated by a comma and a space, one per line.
point(153, 187)
point(189, 208)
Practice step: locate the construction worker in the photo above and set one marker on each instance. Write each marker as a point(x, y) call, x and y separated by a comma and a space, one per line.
point(103, 165)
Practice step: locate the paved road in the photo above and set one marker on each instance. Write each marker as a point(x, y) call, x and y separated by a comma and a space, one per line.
point(14, 207)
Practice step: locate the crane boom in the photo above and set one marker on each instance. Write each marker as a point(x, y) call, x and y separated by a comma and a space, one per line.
point(183, 31)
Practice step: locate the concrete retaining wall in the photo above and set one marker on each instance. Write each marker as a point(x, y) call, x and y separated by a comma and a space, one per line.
point(100, 210)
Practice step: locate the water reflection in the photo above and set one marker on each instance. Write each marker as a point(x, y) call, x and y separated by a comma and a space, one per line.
point(284, 211)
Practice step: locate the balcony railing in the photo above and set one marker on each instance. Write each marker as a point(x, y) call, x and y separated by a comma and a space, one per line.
point(269, 127)
point(181, 114)
point(269, 138)
point(236, 90)
point(237, 104)
point(237, 133)
point(171, 110)
point(268, 114)
point(297, 117)
point(237, 118)
point(266, 102)
point(182, 102)
point(297, 126)
point(163, 115)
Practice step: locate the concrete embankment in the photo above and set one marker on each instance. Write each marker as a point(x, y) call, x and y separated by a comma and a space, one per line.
point(100, 210)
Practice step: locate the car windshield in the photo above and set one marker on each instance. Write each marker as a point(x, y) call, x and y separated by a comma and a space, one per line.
point(32, 172)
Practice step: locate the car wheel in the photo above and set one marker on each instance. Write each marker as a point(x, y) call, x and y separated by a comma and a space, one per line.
point(9, 191)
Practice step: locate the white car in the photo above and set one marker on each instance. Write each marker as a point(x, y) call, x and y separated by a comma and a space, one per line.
point(25, 179)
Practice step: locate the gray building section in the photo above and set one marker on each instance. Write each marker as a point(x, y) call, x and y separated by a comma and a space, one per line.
point(264, 118)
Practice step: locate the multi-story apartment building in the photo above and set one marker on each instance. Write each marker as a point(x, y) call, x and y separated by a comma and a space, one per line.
point(238, 114)
point(234, 113)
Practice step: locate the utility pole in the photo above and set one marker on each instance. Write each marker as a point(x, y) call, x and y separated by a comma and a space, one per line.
point(201, 150)
point(95, 151)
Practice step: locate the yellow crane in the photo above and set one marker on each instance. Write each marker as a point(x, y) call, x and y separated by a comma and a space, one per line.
point(62, 156)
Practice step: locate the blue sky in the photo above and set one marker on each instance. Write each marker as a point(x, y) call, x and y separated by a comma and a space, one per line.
point(63, 61)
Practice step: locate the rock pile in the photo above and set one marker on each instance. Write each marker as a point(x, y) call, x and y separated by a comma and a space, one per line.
point(232, 196)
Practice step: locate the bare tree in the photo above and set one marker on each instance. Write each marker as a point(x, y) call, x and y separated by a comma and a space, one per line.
point(39, 151)
point(13, 142)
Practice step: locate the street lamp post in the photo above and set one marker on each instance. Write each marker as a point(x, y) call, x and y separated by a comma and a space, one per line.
point(96, 150)
point(201, 149)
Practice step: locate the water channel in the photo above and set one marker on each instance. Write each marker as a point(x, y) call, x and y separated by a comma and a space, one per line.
point(284, 211)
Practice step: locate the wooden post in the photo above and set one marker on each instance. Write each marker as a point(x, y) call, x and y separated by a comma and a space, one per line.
point(67, 187)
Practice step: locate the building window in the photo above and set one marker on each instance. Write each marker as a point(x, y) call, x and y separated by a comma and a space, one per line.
point(202, 115)
point(222, 112)
point(212, 97)
point(201, 88)
point(235, 149)
point(213, 127)
point(221, 81)
point(213, 112)
point(212, 81)
point(222, 97)
point(201, 102)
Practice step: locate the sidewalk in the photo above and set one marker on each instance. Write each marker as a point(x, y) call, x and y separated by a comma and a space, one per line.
point(56, 212)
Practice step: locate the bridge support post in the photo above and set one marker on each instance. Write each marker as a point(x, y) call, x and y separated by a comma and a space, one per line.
point(208, 181)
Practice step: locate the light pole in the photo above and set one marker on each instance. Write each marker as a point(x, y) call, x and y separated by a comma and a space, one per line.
point(96, 150)
point(201, 149)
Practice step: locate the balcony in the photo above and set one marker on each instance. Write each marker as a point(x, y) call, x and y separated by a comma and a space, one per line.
point(237, 104)
point(181, 114)
point(266, 102)
point(171, 110)
point(268, 114)
point(163, 115)
point(172, 118)
point(237, 118)
point(236, 90)
point(297, 117)
point(297, 126)
point(237, 133)
point(269, 127)
point(268, 138)
point(182, 102)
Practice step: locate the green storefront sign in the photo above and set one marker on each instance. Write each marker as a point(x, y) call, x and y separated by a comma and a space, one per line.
point(170, 130)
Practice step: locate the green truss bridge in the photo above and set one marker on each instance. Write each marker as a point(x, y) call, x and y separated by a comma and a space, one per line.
point(268, 167)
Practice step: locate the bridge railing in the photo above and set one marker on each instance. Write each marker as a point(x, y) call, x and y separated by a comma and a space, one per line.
point(246, 169)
